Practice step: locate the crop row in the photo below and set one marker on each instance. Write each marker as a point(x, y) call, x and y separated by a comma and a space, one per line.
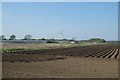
point(97, 51)
point(108, 53)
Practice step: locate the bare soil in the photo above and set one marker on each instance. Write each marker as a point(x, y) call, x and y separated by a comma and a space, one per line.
point(72, 67)
point(61, 63)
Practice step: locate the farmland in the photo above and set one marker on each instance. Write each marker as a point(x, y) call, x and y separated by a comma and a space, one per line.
point(39, 46)
point(88, 61)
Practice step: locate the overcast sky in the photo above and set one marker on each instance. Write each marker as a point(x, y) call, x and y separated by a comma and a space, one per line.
point(75, 19)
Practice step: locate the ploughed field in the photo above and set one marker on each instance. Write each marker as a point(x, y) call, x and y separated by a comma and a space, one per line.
point(94, 51)
point(95, 61)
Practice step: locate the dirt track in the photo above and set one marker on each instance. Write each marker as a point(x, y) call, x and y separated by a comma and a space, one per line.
point(58, 63)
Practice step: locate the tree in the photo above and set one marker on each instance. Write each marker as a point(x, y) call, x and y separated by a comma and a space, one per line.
point(2, 37)
point(43, 39)
point(12, 37)
point(27, 37)
point(97, 40)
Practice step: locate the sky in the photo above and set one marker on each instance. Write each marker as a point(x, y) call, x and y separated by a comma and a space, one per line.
point(79, 20)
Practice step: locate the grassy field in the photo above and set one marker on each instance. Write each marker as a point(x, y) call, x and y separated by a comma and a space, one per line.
point(40, 45)
point(13, 47)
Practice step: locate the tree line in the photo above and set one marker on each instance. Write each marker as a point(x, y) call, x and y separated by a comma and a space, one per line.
point(13, 37)
point(29, 37)
point(98, 40)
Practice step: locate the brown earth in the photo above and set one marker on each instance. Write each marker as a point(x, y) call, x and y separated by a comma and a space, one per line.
point(72, 67)
point(61, 63)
